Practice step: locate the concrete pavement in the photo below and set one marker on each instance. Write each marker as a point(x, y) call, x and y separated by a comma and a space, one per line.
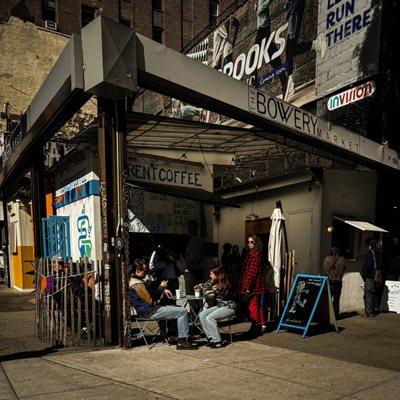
point(362, 362)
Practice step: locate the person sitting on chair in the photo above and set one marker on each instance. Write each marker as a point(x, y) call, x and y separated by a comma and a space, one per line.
point(219, 303)
point(144, 299)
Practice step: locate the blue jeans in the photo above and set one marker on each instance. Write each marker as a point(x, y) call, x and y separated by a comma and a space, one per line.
point(172, 312)
point(209, 318)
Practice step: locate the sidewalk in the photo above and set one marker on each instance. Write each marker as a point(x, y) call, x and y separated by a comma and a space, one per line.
point(362, 362)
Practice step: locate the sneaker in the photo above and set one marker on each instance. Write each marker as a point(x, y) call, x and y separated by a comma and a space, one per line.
point(216, 345)
point(172, 339)
point(184, 344)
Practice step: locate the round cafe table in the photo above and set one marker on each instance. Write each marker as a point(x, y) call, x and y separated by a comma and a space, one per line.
point(190, 301)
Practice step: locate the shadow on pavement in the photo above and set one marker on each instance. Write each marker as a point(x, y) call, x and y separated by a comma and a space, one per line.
point(28, 354)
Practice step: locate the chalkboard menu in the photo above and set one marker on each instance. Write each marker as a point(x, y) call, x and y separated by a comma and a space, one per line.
point(159, 213)
point(309, 293)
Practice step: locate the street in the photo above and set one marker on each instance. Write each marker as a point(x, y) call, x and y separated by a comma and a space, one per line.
point(361, 362)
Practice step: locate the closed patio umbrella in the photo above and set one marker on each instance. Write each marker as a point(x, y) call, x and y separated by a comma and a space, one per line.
point(276, 246)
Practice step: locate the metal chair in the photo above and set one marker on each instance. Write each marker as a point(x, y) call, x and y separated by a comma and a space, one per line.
point(145, 329)
point(225, 326)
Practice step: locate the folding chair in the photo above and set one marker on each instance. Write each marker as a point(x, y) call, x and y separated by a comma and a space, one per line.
point(144, 327)
point(225, 326)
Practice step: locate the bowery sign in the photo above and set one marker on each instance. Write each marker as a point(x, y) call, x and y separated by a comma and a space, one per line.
point(307, 124)
point(351, 96)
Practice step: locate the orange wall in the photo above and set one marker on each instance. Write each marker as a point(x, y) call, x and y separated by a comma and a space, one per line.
point(20, 265)
point(49, 204)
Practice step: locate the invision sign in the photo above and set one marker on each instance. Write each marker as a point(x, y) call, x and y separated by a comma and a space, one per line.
point(351, 96)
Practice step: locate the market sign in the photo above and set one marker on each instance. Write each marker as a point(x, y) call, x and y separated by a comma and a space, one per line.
point(351, 96)
point(308, 125)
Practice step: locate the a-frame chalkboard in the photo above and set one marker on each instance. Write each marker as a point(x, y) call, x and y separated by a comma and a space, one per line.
point(309, 301)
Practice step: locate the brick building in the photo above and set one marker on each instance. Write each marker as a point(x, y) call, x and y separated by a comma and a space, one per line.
point(173, 22)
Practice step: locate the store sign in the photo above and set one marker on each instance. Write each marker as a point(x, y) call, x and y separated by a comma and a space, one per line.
point(393, 296)
point(305, 123)
point(167, 174)
point(76, 183)
point(351, 96)
point(258, 55)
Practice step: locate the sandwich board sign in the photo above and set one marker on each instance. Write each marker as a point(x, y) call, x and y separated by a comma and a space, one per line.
point(309, 301)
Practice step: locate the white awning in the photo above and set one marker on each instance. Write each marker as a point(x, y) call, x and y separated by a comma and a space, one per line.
point(362, 225)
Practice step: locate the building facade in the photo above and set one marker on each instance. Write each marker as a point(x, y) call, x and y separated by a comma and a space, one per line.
point(173, 22)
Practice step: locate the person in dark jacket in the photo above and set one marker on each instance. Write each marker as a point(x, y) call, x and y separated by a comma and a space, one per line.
point(253, 284)
point(371, 270)
point(145, 298)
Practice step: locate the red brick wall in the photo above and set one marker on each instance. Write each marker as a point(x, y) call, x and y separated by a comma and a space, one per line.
point(142, 17)
point(172, 32)
point(200, 16)
point(69, 16)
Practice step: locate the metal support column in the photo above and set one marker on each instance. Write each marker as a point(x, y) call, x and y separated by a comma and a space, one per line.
point(38, 202)
point(115, 237)
point(4, 243)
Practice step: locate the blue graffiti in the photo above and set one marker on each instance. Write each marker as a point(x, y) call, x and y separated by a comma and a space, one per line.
point(84, 241)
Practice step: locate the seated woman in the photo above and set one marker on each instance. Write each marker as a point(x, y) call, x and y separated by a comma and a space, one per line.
point(219, 303)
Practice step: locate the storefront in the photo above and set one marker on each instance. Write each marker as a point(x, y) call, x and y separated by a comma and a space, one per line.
point(159, 183)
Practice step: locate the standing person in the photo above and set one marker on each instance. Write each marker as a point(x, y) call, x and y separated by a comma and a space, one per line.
point(163, 266)
point(194, 255)
point(236, 267)
point(253, 285)
point(220, 305)
point(226, 258)
point(334, 268)
point(371, 271)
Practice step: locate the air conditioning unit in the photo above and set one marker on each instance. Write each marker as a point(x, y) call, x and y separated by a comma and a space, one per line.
point(50, 25)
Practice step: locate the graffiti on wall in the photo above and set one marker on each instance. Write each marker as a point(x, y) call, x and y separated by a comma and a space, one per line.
point(84, 239)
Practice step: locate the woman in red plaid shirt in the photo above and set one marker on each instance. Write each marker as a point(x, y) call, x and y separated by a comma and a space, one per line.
point(253, 284)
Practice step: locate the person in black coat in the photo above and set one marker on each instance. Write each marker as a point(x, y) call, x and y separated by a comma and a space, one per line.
point(372, 275)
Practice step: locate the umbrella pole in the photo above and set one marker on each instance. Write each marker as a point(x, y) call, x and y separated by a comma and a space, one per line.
point(282, 298)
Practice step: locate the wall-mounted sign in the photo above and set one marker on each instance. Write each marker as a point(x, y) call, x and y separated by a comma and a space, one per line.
point(174, 174)
point(351, 96)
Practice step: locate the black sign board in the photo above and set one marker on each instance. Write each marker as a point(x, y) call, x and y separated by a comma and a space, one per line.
point(309, 300)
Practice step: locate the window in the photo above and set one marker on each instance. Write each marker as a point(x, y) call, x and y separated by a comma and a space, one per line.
point(125, 21)
point(343, 237)
point(158, 34)
point(157, 5)
point(213, 13)
point(88, 14)
point(49, 10)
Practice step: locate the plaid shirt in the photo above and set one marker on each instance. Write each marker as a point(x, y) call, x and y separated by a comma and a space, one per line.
point(253, 275)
